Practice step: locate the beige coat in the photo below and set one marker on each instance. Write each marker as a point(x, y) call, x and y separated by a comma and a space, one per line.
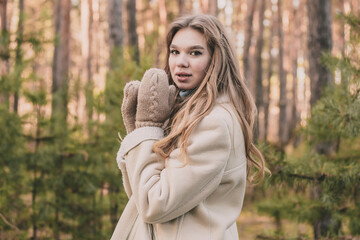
point(170, 201)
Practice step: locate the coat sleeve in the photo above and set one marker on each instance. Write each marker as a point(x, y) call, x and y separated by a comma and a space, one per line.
point(164, 190)
point(131, 141)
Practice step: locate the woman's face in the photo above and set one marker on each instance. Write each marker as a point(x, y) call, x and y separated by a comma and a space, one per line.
point(189, 58)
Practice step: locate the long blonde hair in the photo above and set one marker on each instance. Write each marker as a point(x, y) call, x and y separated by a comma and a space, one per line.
point(222, 77)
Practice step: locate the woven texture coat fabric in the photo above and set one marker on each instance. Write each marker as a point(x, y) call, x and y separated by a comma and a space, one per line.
point(172, 201)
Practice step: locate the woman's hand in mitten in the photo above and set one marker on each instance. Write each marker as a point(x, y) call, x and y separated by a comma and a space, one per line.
point(128, 107)
point(155, 99)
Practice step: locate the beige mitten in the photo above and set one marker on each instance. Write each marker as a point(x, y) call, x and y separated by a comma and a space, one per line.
point(128, 107)
point(155, 99)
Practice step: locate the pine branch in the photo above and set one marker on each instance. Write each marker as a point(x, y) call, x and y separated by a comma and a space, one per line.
point(40, 139)
point(320, 178)
point(8, 223)
point(268, 237)
point(277, 238)
point(313, 178)
point(356, 95)
point(348, 158)
point(302, 238)
point(306, 177)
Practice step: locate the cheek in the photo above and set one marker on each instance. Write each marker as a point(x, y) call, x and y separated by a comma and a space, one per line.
point(171, 66)
point(202, 66)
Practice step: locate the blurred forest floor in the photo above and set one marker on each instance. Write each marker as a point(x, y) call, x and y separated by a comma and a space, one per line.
point(252, 226)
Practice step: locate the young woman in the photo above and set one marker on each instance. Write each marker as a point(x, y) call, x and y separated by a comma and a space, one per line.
point(189, 150)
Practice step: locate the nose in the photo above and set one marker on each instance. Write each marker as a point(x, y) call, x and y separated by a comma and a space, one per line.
point(182, 61)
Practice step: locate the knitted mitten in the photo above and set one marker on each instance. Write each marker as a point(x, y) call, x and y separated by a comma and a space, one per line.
point(128, 107)
point(155, 99)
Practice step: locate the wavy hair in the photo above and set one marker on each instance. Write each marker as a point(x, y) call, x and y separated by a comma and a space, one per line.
point(222, 77)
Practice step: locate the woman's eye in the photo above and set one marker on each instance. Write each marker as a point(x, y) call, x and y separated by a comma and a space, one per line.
point(195, 53)
point(174, 52)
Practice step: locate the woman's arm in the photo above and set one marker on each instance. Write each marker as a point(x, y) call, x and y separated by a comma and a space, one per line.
point(133, 139)
point(146, 104)
point(165, 191)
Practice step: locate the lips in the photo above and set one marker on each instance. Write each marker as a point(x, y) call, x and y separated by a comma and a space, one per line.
point(183, 76)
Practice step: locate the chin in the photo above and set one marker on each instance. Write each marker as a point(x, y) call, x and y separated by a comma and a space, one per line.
point(182, 87)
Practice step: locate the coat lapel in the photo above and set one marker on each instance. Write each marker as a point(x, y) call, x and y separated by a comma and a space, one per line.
point(126, 221)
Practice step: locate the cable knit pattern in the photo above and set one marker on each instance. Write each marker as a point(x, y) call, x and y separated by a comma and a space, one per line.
point(155, 99)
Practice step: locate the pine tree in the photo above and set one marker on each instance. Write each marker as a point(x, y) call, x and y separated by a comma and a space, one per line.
point(13, 212)
point(334, 118)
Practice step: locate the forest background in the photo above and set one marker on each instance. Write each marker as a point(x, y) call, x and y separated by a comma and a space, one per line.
point(64, 64)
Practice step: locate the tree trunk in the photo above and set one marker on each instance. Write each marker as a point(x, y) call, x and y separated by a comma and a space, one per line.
point(95, 218)
point(248, 36)
point(204, 5)
point(4, 54)
point(131, 29)
point(3, 17)
point(209, 7)
point(294, 46)
point(116, 39)
point(340, 30)
point(278, 223)
point(319, 41)
point(267, 89)
point(163, 23)
point(213, 8)
point(237, 19)
point(19, 55)
point(181, 6)
point(355, 7)
point(163, 17)
point(258, 66)
point(115, 29)
point(60, 91)
point(35, 173)
point(61, 62)
point(87, 41)
point(282, 79)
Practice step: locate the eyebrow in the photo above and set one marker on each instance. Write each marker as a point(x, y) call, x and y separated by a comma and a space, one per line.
point(190, 48)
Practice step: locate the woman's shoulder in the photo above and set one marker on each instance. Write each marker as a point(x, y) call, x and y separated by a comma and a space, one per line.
point(222, 113)
point(223, 108)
